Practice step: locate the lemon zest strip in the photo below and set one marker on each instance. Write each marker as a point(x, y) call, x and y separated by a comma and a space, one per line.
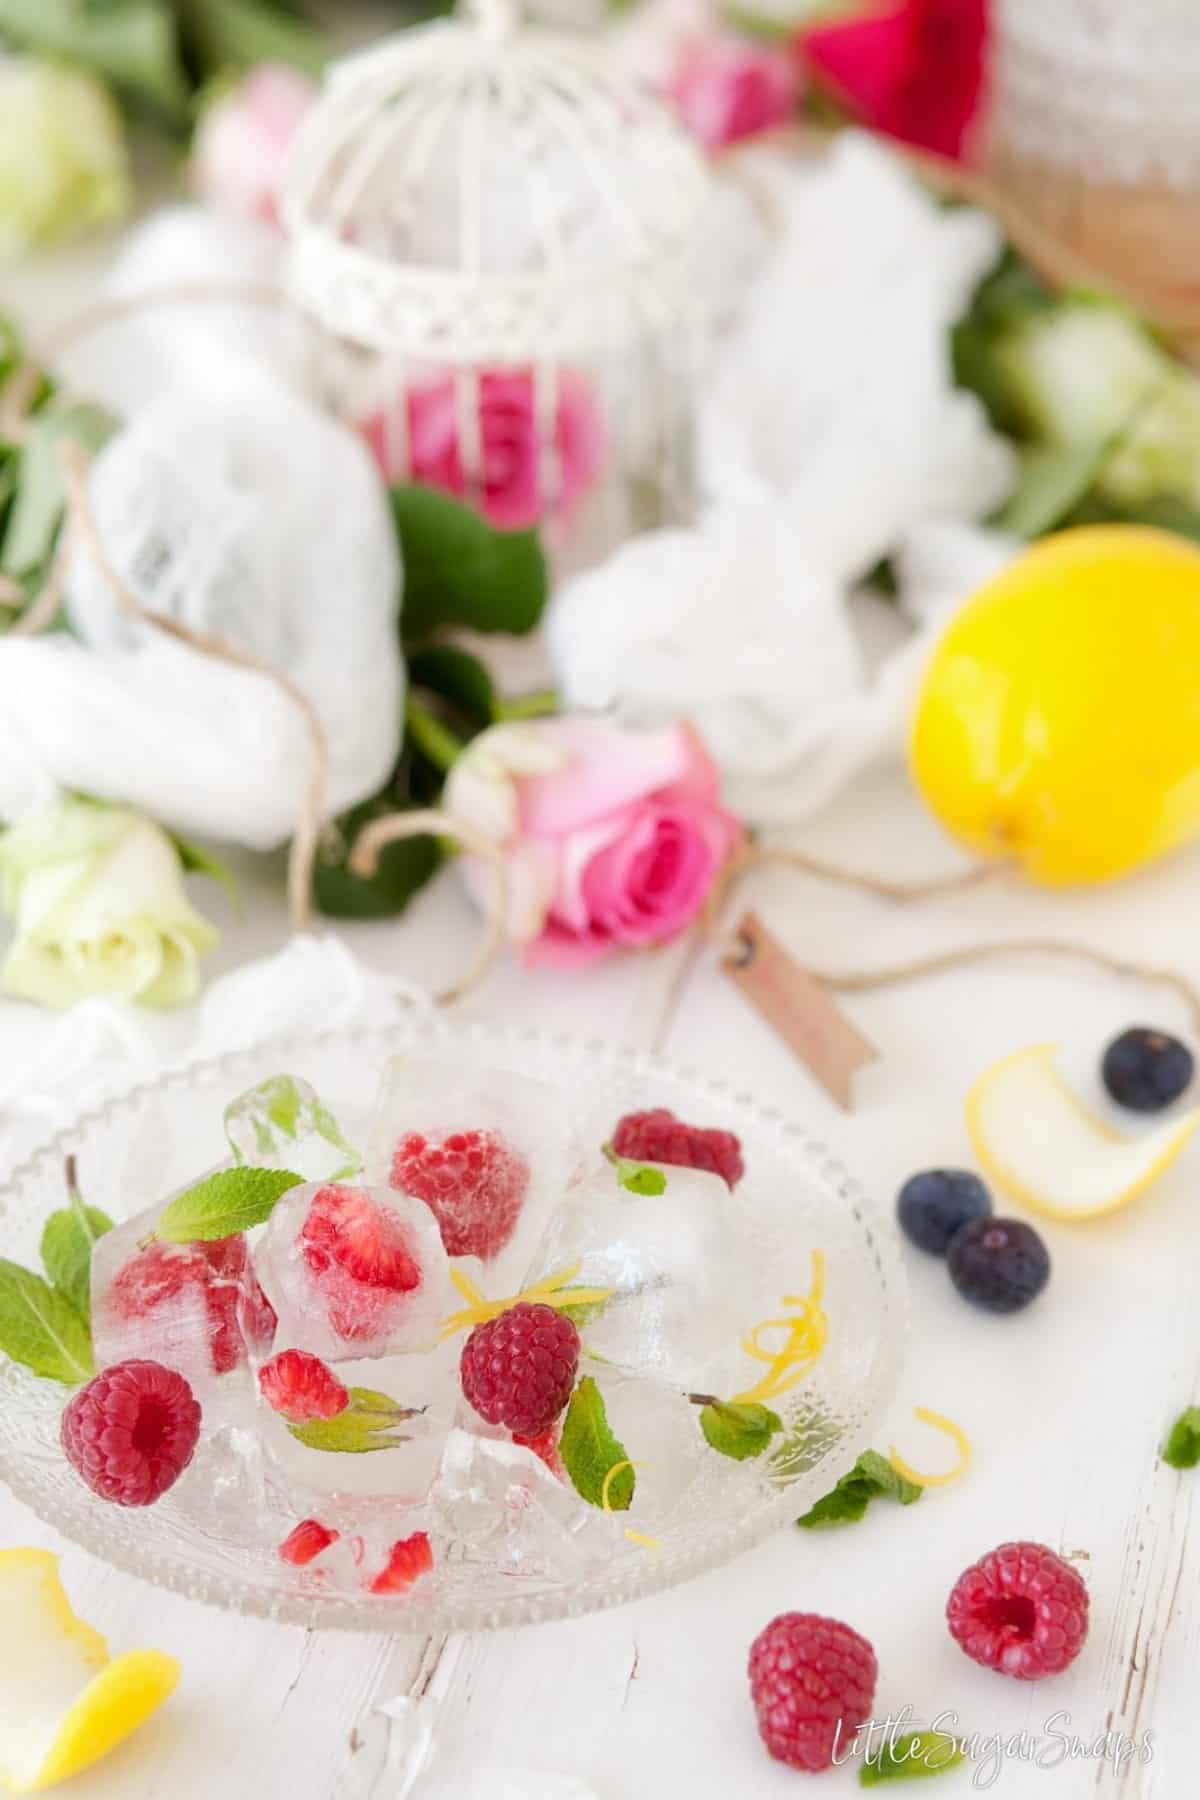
point(639, 1537)
point(961, 1443)
point(625, 1463)
point(807, 1332)
point(545, 1292)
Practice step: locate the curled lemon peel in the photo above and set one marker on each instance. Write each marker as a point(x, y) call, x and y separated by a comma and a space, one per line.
point(807, 1333)
point(640, 1537)
point(954, 1432)
point(546, 1292)
point(634, 1537)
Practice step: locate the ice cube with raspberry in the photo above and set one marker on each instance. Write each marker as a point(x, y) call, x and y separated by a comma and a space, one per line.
point(195, 1308)
point(354, 1271)
point(485, 1149)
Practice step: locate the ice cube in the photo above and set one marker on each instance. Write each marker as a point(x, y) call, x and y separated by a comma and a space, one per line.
point(354, 1272)
point(497, 1501)
point(196, 1308)
point(284, 1124)
point(684, 1289)
point(487, 1149)
point(402, 1469)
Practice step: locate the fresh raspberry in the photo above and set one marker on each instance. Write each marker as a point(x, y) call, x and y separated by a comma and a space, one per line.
point(302, 1387)
point(660, 1137)
point(518, 1369)
point(411, 1557)
point(1020, 1610)
point(131, 1432)
point(812, 1681)
point(473, 1182)
point(306, 1541)
point(545, 1448)
point(160, 1273)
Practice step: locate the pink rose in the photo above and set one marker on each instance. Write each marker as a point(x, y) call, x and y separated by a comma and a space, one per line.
point(725, 88)
point(513, 466)
point(242, 143)
point(609, 836)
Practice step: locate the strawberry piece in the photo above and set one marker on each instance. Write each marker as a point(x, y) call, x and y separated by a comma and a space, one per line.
point(346, 1230)
point(411, 1557)
point(160, 1273)
point(301, 1387)
point(306, 1541)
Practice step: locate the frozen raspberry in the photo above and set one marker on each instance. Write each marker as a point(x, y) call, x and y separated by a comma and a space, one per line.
point(1020, 1610)
point(160, 1273)
point(131, 1432)
point(302, 1387)
point(545, 1448)
point(812, 1681)
point(518, 1370)
point(473, 1182)
point(347, 1233)
point(306, 1541)
point(409, 1558)
point(660, 1137)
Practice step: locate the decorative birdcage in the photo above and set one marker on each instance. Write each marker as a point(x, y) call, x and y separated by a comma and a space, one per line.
point(495, 238)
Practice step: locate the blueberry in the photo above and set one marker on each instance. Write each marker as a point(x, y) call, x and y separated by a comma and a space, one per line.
point(934, 1204)
point(1000, 1264)
point(1145, 1070)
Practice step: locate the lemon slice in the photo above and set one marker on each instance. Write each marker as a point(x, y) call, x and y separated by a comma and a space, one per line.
point(63, 1703)
point(1042, 1146)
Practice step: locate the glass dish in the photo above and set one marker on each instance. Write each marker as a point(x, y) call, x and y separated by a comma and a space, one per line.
point(205, 1540)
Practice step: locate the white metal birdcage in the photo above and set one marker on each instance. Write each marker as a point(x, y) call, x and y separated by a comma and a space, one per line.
point(497, 237)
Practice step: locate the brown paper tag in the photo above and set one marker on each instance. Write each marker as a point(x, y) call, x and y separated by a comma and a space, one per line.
point(799, 1008)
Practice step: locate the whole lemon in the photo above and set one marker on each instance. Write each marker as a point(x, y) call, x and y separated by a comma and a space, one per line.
point(1058, 720)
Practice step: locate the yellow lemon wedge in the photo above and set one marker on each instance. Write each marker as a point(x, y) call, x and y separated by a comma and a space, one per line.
point(63, 1702)
point(1039, 1143)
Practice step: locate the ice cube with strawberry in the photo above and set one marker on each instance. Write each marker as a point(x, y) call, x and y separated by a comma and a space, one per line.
point(354, 1271)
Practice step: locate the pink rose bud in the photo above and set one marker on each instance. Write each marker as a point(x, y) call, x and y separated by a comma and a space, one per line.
point(242, 143)
point(517, 482)
point(726, 89)
point(609, 837)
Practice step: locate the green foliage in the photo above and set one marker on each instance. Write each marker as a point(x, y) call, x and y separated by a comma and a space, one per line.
point(871, 1478)
point(589, 1450)
point(459, 571)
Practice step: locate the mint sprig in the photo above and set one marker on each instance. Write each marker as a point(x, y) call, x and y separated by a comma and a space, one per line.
point(40, 1328)
point(636, 1177)
point(224, 1205)
point(68, 1239)
point(736, 1428)
point(871, 1478)
point(911, 1758)
point(1182, 1448)
point(368, 1423)
point(589, 1449)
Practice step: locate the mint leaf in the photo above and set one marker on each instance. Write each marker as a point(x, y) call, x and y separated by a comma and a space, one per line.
point(368, 1423)
point(224, 1204)
point(589, 1450)
point(41, 1329)
point(459, 571)
point(1182, 1448)
point(66, 1249)
point(637, 1177)
point(738, 1428)
point(279, 1112)
point(871, 1478)
point(911, 1758)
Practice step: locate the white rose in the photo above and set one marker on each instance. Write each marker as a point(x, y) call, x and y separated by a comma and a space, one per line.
point(97, 895)
point(63, 161)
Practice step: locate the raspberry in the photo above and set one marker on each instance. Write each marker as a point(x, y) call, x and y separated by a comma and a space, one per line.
point(306, 1541)
point(812, 1681)
point(131, 1432)
point(1020, 1610)
point(409, 1558)
point(473, 1182)
point(545, 1448)
point(160, 1273)
point(348, 1234)
point(518, 1370)
point(658, 1136)
point(302, 1387)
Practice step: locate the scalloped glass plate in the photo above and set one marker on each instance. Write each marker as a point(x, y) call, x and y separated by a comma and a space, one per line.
point(217, 1548)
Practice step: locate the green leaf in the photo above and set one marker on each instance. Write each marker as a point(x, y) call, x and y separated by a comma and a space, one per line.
point(38, 507)
point(240, 33)
point(128, 42)
point(871, 1478)
point(459, 571)
point(41, 1329)
point(368, 1423)
point(224, 1204)
point(1054, 479)
point(282, 1109)
point(589, 1450)
point(67, 1241)
point(403, 867)
point(636, 1177)
point(1182, 1448)
point(739, 1428)
point(911, 1758)
point(456, 676)
point(198, 861)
